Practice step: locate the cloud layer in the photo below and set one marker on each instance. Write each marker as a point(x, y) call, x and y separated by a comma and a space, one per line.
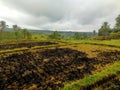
point(69, 15)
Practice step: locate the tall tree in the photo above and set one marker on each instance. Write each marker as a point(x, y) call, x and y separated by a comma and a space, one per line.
point(16, 29)
point(55, 35)
point(104, 30)
point(26, 34)
point(94, 32)
point(79, 36)
point(117, 24)
point(76, 35)
point(2, 26)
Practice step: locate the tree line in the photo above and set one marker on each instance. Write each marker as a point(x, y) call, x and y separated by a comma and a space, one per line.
point(105, 32)
point(16, 32)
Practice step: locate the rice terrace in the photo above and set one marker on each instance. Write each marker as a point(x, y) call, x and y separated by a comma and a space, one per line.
point(59, 45)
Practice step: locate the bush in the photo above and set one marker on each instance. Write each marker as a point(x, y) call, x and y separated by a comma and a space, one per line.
point(115, 35)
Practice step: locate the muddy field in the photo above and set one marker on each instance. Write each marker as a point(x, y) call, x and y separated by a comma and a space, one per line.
point(20, 45)
point(49, 69)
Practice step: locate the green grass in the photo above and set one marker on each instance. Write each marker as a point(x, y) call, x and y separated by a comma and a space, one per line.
point(109, 43)
point(39, 37)
point(93, 78)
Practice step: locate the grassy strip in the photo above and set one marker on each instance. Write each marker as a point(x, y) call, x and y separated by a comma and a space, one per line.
point(93, 78)
point(13, 50)
point(32, 48)
point(5, 42)
point(94, 43)
point(112, 43)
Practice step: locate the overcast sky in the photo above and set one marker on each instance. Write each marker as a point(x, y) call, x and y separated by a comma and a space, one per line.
point(65, 15)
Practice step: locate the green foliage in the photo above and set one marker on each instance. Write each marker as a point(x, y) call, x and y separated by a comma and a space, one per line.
point(41, 37)
point(117, 25)
point(104, 30)
point(18, 33)
point(7, 36)
point(115, 35)
point(2, 26)
point(26, 34)
point(55, 35)
point(76, 36)
point(94, 32)
point(79, 36)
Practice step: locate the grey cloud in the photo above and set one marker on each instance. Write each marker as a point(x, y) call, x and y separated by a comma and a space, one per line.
point(52, 9)
point(96, 9)
point(64, 14)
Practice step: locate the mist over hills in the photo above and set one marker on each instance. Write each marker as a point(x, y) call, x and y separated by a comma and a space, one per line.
point(65, 33)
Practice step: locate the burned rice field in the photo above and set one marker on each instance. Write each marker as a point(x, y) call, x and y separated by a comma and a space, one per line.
point(48, 69)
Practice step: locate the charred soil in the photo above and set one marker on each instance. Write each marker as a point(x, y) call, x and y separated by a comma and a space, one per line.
point(48, 69)
point(20, 45)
